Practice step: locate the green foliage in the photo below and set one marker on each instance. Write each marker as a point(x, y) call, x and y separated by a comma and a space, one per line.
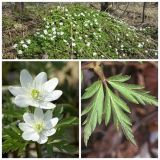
point(95, 109)
point(79, 31)
point(12, 140)
point(133, 92)
point(113, 104)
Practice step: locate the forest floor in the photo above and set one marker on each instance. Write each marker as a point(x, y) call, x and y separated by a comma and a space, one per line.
point(18, 26)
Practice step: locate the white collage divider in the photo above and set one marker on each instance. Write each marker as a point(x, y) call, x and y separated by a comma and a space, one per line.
point(77, 60)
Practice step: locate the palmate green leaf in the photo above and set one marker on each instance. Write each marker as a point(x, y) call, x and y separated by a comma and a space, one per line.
point(113, 105)
point(134, 94)
point(94, 111)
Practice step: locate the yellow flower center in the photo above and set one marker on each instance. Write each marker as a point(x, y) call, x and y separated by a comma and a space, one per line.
point(35, 93)
point(39, 126)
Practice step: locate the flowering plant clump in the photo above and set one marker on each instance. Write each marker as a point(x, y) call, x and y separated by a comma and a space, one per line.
point(78, 31)
point(38, 126)
point(38, 92)
point(37, 120)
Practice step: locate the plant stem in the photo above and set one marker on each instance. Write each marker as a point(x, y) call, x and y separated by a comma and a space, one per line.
point(38, 148)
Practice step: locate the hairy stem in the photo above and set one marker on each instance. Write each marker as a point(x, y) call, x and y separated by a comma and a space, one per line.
point(97, 68)
point(38, 149)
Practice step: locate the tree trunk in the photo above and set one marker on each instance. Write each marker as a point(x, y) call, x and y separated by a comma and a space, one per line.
point(19, 7)
point(143, 13)
point(104, 6)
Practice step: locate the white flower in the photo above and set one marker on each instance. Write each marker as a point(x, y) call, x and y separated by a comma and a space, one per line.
point(45, 31)
point(47, 26)
point(44, 19)
point(80, 38)
point(94, 53)
point(15, 45)
point(66, 10)
point(73, 44)
point(146, 51)
point(86, 25)
point(61, 24)
point(140, 45)
point(28, 41)
point(37, 92)
point(20, 52)
point(65, 41)
point(88, 44)
point(99, 29)
point(38, 126)
point(86, 36)
point(24, 45)
point(53, 29)
point(122, 46)
point(61, 33)
point(22, 42)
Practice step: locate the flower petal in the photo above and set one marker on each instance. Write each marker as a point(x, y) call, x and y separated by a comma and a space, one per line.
point(47, 105)
point(30, 136)
point(25, 78)
point(49, 132)
point(48, 115)
point(38, 114)
point(53, 95)
point(22, 101)
point(39, 80)
point(28, 118)
point(16, 90)
point(42, 139)
point(25, 127)
point(51, 123)
point(50, 85)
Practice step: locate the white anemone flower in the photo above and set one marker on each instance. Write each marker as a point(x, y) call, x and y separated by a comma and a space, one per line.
point(20, 52)
point(37, 92)
point(28, 41)
point(38, 126)
point(24, 45)
point(15, 45)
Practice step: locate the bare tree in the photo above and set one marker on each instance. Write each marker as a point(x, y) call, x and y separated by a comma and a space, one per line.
point(143, 12)
point(19, 7)
point(104, 6)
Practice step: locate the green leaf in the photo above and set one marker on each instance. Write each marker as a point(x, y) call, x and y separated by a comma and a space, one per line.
point(86, 110)
point(132, 94)
point(91, 90)
point(121, 119)
point(12, 140)
point(67, 122)
point(119, 78)
point(95, 114)
point(64, 147)
point(107, 108)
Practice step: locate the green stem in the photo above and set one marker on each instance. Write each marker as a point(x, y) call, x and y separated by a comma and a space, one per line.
point(38, 148)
